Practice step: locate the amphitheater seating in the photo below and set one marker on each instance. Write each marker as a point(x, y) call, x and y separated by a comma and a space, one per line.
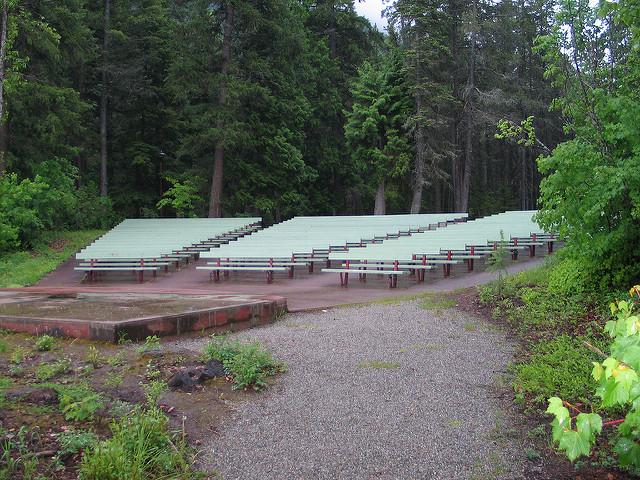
point(515, 230)
point(306, 241)
point(150, 245)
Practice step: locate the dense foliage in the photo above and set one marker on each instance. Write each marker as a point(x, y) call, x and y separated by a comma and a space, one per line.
point(591, 192)
point(618, 385)
point(161, 108)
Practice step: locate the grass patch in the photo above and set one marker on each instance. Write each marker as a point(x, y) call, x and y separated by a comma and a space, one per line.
point(46, 371)
point(470, 327)
point(141, 446)
point(559, 367)
point(249, 364)
point(19, 269)
point(378, 365)
point(79, 402)
point(437, 302)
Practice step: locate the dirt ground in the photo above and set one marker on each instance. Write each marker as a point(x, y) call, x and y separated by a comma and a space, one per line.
point(30, 411)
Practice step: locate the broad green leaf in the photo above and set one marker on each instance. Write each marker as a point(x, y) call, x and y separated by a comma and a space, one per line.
point(574, 444)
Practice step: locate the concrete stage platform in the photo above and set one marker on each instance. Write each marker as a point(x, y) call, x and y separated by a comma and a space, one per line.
point(135, 315)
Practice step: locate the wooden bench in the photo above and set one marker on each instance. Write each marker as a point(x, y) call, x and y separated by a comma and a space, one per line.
point(344, 274)
point(138, 269)
point(216, 269)
point(262, 263)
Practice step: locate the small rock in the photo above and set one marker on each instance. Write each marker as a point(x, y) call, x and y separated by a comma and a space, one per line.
point(212, 369)
point(182, 381)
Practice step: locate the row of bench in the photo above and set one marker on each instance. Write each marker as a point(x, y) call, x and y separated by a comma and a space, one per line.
point(515, 231)
point(154, 245)
point(306, 241)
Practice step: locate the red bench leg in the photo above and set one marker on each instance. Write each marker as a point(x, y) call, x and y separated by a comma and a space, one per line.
point(140, 276)
point(550, 247)
point(532, 250)
point(311, 267)
point(344, 279)
point(291, 271)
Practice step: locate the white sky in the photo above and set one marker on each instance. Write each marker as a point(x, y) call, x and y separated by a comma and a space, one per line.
point(372, 9)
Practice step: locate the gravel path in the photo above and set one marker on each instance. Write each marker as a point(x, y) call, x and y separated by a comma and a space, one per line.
point(428, 411)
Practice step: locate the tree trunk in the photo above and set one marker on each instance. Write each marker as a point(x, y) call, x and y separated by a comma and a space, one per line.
point(103, 102)
point(419, 168)
point(380, 206)
point(418, 179)
point(215, 209)
point(462, 198)
point(3, 56)
point(523, 179)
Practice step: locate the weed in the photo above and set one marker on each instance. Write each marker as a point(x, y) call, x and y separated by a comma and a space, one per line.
point(123, 338)
point(249, 365)
point(153, 390)
point(455, 423)
point(18, 355)
point(15, 371)
point(4, 383)
point(79, 402)
point(561, 366)
point(155, 387)
point(73, 441)
point(219, 348)
point(538, 432)
point(120, 409)
point(532, 454)
point(46, 371)
point(436, 302)
point(114, 379)
point(29, 467)
point(44, 343)
point(150, 343)
point(3, 346)
point(92, 357)
point(117, 360)
point(378, 365)
point(470, 327)
point(141, 446)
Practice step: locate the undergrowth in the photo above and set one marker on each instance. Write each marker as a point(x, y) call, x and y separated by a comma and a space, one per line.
point(249, 364)
point(556, 322)
point(19, 269)
point(141, 447)
point(559, 321)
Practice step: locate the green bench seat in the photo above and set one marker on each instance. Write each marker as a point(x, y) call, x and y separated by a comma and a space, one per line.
point(344, 274)
point(215, 271)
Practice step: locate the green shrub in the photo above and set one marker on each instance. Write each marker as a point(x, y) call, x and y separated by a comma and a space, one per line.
point(79, 402)
point(46, 371)
point(93, 210)
point(92, 357)
point(18, 355)
point(559, 366)
point(249, 365)
point(44, 343)
point(569, 277)
point(72, 441)
point(151, 343)
point(220, 348)
point(141, 447)
point(3, 346)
